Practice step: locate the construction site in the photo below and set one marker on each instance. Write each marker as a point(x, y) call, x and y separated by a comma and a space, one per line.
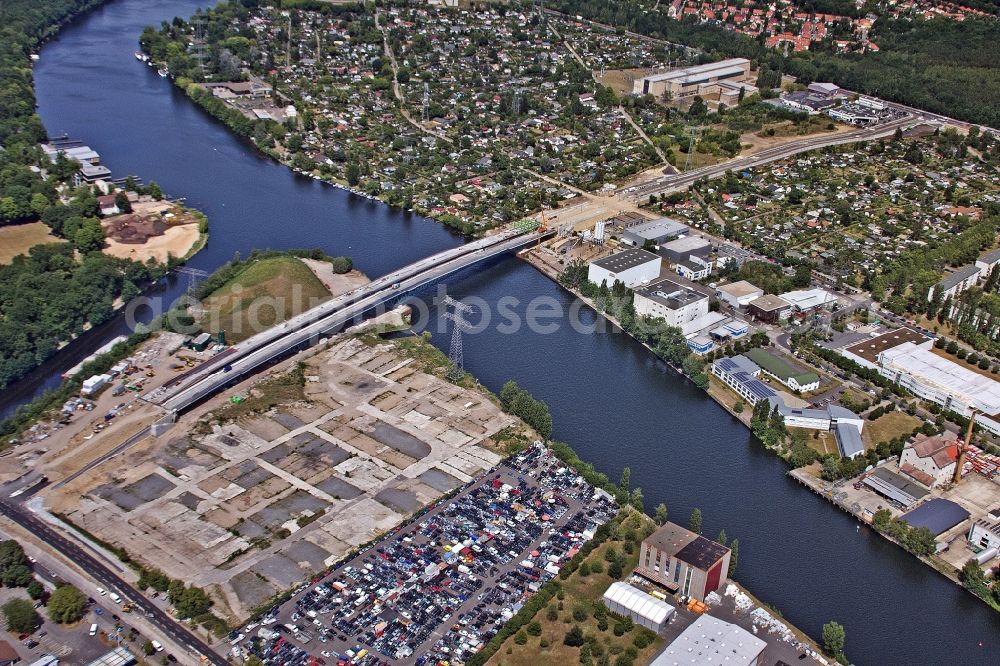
point(256, 490)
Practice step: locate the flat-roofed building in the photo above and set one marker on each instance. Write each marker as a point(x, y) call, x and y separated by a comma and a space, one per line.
point(693, 268)
point(739, 294)
point(942, 381)
point(709, 641)
point(630, 267)
point(683, 248)
point(792, 376)
point(866, 352)
point(683, 561)
point(658, 231)
point(984, 533)
point(687, 80)
point(769, 309)
point(670, 301)
point(808, 299)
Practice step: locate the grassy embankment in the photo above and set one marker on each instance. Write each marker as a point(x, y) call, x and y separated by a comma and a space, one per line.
point(265, 293)
point(577, 601)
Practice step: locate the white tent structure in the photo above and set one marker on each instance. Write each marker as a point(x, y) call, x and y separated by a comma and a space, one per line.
point(644, 609)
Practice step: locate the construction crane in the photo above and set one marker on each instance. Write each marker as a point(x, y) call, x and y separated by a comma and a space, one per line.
point(963, 447)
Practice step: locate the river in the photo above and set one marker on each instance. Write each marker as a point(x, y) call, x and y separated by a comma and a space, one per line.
point(610, 399)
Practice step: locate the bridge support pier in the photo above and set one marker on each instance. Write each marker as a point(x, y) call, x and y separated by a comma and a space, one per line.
point(164, 424)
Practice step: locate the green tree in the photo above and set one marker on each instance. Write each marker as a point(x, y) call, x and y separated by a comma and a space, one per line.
point(695, 523)
point(661, 514)
point(20, 616)
point(353, 174)
point(35, 590)
point(833, 639)
point(722, 537)
point(734, 556)
point(626, 478)
point(148, 649)
point(66, 605)
point(574, 637)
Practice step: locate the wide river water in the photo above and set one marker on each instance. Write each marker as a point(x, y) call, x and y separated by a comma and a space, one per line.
point(610, 399)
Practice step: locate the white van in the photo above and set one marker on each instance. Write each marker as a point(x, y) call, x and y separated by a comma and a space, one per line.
point(101, 591)
point(93, 629)
point(115, 598)
point(156, 646)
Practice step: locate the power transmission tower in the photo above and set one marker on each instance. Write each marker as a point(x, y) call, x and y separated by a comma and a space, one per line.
point(459, 325)
point(426, 114)
point(198, 45)
point(695, 136)
point(193, 276)
point(288, 45)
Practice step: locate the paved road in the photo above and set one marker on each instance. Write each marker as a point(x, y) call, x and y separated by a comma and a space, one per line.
point(773, 154)
point(109, 579)
point(306, 329)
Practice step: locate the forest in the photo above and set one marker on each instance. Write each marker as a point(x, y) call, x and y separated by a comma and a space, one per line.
point(47, 296)
point(938, 65)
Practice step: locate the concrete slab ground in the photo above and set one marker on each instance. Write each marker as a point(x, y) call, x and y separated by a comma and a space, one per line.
point(256, 502)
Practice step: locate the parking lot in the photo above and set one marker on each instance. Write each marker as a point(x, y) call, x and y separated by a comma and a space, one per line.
point(439, 587)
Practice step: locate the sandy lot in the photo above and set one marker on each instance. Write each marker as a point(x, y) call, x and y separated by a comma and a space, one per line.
point(175, 241)
point(336, 283)
point(17, 239)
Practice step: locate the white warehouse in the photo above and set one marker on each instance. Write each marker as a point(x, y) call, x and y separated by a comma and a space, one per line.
point(644, 609)
point(630, 267)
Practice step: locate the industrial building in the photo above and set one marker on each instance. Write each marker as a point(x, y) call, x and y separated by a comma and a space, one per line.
point(739, 294)
point(670, 301)
point(683, 248)
point(686, 81)
point(683, 561)
point(936, 514)
point(894, 487)
point(866, 352)
point(658, 231)
point(642, 608)
point(985, 535)
point(854, 114)
point(710, 641)
point(694, 268)
point(630, 267)
point(930, 460)
point(934, 378)
point(845, 424)
point(795, 378)
point(769, 309)
point(808, 299)
point(828, 90)
point(117, 657)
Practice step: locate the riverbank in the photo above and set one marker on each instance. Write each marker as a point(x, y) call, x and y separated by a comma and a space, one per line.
point(807, 476)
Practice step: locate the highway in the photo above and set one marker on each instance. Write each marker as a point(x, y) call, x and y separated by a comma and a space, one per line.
point(328, 317)
point(680, 181)
point(110, 580)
